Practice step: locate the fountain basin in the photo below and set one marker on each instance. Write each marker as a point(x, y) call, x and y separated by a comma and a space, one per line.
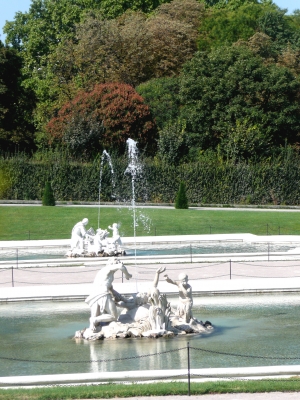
point(249, 331)
point(168, 249)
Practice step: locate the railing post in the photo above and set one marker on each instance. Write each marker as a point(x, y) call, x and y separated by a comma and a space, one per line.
point(12, 276)
point(189, 368)
point(268, 251)
point(191, 253)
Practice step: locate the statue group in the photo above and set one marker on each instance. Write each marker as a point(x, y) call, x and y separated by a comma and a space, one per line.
point(141, 314)
point(88, 243)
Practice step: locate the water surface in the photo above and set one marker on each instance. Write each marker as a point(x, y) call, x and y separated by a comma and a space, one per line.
point(40, 334)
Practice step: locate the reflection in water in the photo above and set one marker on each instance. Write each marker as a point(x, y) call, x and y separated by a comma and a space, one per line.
point(257, 325)
point(132, 353)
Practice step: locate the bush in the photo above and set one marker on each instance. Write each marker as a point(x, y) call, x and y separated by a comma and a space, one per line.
point(48, 197)
point(181, 199)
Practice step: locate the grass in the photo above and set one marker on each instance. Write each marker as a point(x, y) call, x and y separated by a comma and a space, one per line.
point(22, 223)
point(155, 389)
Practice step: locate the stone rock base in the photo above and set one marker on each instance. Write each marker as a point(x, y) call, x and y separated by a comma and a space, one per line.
point(118, 330)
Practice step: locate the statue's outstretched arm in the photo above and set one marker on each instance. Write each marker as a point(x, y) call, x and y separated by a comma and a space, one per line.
point(169, 280)
point(156, 277)
point(126, 273)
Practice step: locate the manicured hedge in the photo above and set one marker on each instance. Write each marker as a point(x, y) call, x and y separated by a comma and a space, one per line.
point(264, 183)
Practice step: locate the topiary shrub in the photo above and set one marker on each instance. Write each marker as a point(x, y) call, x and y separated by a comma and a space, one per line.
point(48, 196)
point(181, 198)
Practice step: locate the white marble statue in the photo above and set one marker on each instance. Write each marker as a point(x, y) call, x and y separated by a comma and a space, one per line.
point(184, 309)
point(114, 243)
point(78, 235)
point(115, 231)
point(160, 309)
point(103, 298)
point(139, 315)
point(95, 244)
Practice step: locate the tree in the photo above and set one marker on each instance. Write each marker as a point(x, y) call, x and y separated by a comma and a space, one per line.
point(187, 11)
point(172, 143)
point(181, 201)
point(113, 112)
point(230, 86)
point(37, 34)
point(48, 196)
point(132, 48)
point(275, 24)
point(162, 97)
point(227, 25)
point(16, 104)
point(115, 8)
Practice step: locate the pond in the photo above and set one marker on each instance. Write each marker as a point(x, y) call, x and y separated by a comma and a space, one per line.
point(156, 249)
point(255, 330)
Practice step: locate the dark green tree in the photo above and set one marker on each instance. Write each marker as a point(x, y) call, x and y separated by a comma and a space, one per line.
point(227, 25)
point(162, 97)
point(181, 201)
point(48, 196)
point(115, 8)
point(172, 143)
point(231, 87)
point(278, 27)
point(16, 104)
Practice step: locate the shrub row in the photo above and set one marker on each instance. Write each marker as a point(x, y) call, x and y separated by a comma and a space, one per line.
point(265, 183)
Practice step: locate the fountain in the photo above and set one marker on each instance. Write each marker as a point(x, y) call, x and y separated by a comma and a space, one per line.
point(144, 314)
point(106, 156)
point(259, 328)
point(241, 324)
point(134, 168)
point(88, 243)
point(91, 244)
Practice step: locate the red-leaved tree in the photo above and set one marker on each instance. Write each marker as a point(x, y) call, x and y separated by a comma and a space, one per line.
point(103, 118)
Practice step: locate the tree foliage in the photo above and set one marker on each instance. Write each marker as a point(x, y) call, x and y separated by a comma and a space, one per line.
point(162, 96)
point(172, 143)
point(48, 195)
point(227, 25)
point(232, 86)
point(237, 98)
point(132, 48)
point(107, 116)
point(181, 201)
point(16, 104)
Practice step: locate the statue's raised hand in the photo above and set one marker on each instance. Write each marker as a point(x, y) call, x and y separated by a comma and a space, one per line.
point(161, 270)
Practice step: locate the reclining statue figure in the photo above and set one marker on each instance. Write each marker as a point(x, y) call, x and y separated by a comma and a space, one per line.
point(103, 298)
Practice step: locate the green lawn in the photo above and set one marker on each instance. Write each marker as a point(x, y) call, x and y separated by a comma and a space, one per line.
point(157, 389)
point(22, 223)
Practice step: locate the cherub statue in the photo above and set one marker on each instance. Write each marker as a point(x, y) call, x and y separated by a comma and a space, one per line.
point(115, 234)
point(184, 309)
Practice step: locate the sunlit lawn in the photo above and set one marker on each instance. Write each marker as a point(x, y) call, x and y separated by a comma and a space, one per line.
point(154, 389)
point(37, 222)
